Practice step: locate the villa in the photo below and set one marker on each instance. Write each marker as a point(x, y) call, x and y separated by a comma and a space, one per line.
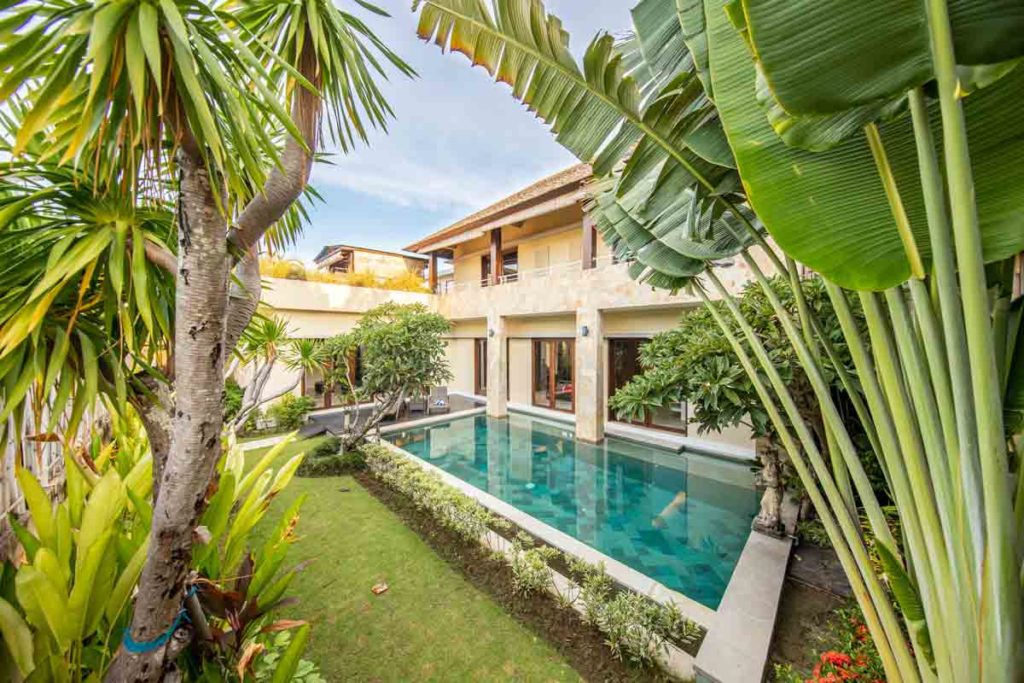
point(546, 325)
point(554, 330)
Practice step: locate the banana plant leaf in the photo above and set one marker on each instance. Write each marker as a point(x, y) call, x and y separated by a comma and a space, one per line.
point(828, 209)
point(823, 57)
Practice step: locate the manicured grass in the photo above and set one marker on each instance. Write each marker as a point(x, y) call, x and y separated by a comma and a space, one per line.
point(430, 625)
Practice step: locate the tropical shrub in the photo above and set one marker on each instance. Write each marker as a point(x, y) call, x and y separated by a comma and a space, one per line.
point(530, 570)
point(402, 353)
point(406, 282)
point(329, 446)
point(290, 411)
point(64, 609)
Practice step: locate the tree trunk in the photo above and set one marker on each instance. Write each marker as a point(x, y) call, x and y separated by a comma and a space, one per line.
point(199, 357)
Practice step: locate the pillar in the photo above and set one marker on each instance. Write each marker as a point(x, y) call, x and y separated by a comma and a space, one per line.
point(497, 366)
point(589, 242)
point(590, 383)
point(497, 266)
point(432, 272)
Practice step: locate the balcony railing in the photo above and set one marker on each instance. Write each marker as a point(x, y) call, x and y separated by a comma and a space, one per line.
point(528, 275)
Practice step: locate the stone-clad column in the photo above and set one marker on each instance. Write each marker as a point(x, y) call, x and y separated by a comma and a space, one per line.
point(497, 366)
point(590, 389)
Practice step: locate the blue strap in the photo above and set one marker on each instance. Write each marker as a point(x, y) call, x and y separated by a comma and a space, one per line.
point(137, 648)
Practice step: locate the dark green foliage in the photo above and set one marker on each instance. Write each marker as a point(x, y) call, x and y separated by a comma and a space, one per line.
point(290, 412)
point(694, 363)
point(232, 398)
point(329, 446)
point(326, 460)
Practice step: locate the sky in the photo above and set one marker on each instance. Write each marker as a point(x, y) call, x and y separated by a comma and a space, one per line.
point(458, 143)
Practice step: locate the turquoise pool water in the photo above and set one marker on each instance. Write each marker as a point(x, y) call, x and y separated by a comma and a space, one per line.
point(680, 519)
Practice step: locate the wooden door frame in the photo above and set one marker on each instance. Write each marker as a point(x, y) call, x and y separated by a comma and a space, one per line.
point(552, 371)
point(479, 363)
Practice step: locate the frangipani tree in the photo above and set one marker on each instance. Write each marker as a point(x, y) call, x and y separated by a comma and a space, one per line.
point(211, 114)
point(831, 113)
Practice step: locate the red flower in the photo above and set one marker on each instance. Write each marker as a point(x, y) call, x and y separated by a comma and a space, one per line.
point(836, 658)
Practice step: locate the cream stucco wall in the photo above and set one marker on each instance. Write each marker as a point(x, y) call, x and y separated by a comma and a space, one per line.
point(384, 265)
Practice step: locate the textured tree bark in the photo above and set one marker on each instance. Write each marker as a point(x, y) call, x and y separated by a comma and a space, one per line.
point(199, 356)
point(155, 413)
point(205, 334)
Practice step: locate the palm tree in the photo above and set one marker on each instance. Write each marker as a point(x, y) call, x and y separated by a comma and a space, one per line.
point(265, 342)
point(809, 107)
point(214, 110)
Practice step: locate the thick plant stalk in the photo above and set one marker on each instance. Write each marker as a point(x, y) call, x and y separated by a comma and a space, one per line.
point(830, 413)
point(839, 470)
point(1001, 584)
point(891, 453)
point(846, 557)
point(966, 474)
point(927, 416)
point(890, 629)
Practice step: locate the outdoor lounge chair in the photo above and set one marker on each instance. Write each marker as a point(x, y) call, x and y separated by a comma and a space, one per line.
point(418, 404)
point(438, 402)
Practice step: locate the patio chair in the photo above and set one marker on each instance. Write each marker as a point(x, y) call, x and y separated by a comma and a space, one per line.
point(418, 404)
point(438, 402)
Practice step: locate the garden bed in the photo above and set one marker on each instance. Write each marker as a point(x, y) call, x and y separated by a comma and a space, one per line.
point(582, 645)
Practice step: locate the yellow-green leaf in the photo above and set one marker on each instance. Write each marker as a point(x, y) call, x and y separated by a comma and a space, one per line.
point(17, 637)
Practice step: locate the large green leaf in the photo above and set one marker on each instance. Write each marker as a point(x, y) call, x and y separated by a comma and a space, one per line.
point(17, 637)
point(828, 209)
point(826, 56)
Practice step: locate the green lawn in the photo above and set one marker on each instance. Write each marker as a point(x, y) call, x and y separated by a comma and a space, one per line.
point(430, 625)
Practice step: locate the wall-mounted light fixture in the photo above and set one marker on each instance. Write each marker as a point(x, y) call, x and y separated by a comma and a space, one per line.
point(490, 332)
point(584, 331)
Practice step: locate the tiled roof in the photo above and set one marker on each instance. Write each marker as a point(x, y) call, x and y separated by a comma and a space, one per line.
point(570, 178)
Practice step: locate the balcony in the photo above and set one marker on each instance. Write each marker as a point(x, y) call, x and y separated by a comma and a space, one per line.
point(565, 287)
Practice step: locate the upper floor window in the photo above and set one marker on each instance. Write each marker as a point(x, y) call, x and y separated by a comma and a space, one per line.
point(509, 266)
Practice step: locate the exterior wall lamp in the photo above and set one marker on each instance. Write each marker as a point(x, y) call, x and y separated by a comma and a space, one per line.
point(584, 331)
point(490, 332)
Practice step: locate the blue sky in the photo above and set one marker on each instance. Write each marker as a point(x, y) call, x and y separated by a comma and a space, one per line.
point(459, 141)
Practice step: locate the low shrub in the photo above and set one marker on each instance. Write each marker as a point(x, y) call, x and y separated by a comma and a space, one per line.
point(452, 509)
point(530, 570)
point(325, 461)
point(328, 447)
point(290, 412)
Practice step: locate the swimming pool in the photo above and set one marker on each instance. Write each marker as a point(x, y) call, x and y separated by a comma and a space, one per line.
point(681, 519)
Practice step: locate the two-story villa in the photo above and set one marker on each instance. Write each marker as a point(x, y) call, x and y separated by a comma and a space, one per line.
point(544, 318)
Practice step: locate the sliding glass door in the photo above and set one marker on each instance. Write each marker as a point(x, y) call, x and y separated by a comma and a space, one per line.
point(623, 364)
point(554, 378)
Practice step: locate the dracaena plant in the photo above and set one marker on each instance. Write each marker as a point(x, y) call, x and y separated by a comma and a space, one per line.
point(831, 116)
point(215, 111)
